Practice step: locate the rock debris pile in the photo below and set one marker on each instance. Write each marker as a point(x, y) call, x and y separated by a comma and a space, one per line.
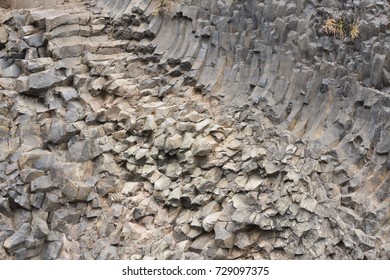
point(207, 130)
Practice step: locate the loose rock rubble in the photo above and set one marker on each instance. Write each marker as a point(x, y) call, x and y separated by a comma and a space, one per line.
point(213, 130)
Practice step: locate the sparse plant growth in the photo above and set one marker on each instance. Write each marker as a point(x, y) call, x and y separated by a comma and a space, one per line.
point(341, 28)
point(330, 26)
point(354, 32)
point(160, 8)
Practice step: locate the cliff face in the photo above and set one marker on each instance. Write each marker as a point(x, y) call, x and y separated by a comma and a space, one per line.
point(195, 130)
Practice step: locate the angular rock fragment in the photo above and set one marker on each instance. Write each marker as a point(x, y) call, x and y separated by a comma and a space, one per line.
point(13, 242)
point(34, 40)
point(53, 250)
point(271, 168)
point(67, 93)
point(150, 123)
point(210, 220)
point(204, 146)
point(131, 188)
point(309, 204)
point(41, 184)
point(76, 191)
point(223, 238)
point(80, 151)
point(12, 71)
point(37, 159)
point(383, 146)
point(173, 143)
point(40, 81)
point(163, 183)
point(40, 228)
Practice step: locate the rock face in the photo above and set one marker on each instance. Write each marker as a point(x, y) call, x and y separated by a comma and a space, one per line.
point(194, 130)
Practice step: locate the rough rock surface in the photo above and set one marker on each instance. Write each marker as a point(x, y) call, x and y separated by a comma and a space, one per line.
point(203, 130)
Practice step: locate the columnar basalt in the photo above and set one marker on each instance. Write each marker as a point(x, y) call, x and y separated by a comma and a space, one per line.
point(191, 129)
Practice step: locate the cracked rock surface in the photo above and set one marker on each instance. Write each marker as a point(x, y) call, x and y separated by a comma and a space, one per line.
point(198, 130)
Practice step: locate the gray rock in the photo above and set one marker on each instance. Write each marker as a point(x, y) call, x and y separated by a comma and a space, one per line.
point(150, 123)
point(23, 200)
point(35, 40)
point(148, 84)
point(3, 35)
point(383, 146)
point(12, 71)
point(29, 175)
point(223, 238)
point(301, 228)
point(254, 182)
point(5, 208)
point(76, 191)
point(67, 93)
point(40, 228)
point(271, 168)
point(105, 186)
point(283, 204)
point(62, 217)
point(53, 250)
point(97, 86)
point(310, 204)
point(202, 125)
point(367, 242)
point(58, 132)
point(174, 197)
point(245, 240)
point(242, 216)
point(80, 151)
point(376, 70)
point(164, 91)
point(50, 202)
point(40, 81)
point(80, 18)
point(210, 220)
point(235, 145)
point(174, 170)
point(249, 166)
point(13, 242)
point(163, 183)
point(36, 200)
point(201, 243)
point(131, 188)
point(35, 65)
point(41, 184)
point(265, 222)
point(204, 146)
point(173, 143)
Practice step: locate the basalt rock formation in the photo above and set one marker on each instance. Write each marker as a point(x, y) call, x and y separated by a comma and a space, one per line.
point(229, 129)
